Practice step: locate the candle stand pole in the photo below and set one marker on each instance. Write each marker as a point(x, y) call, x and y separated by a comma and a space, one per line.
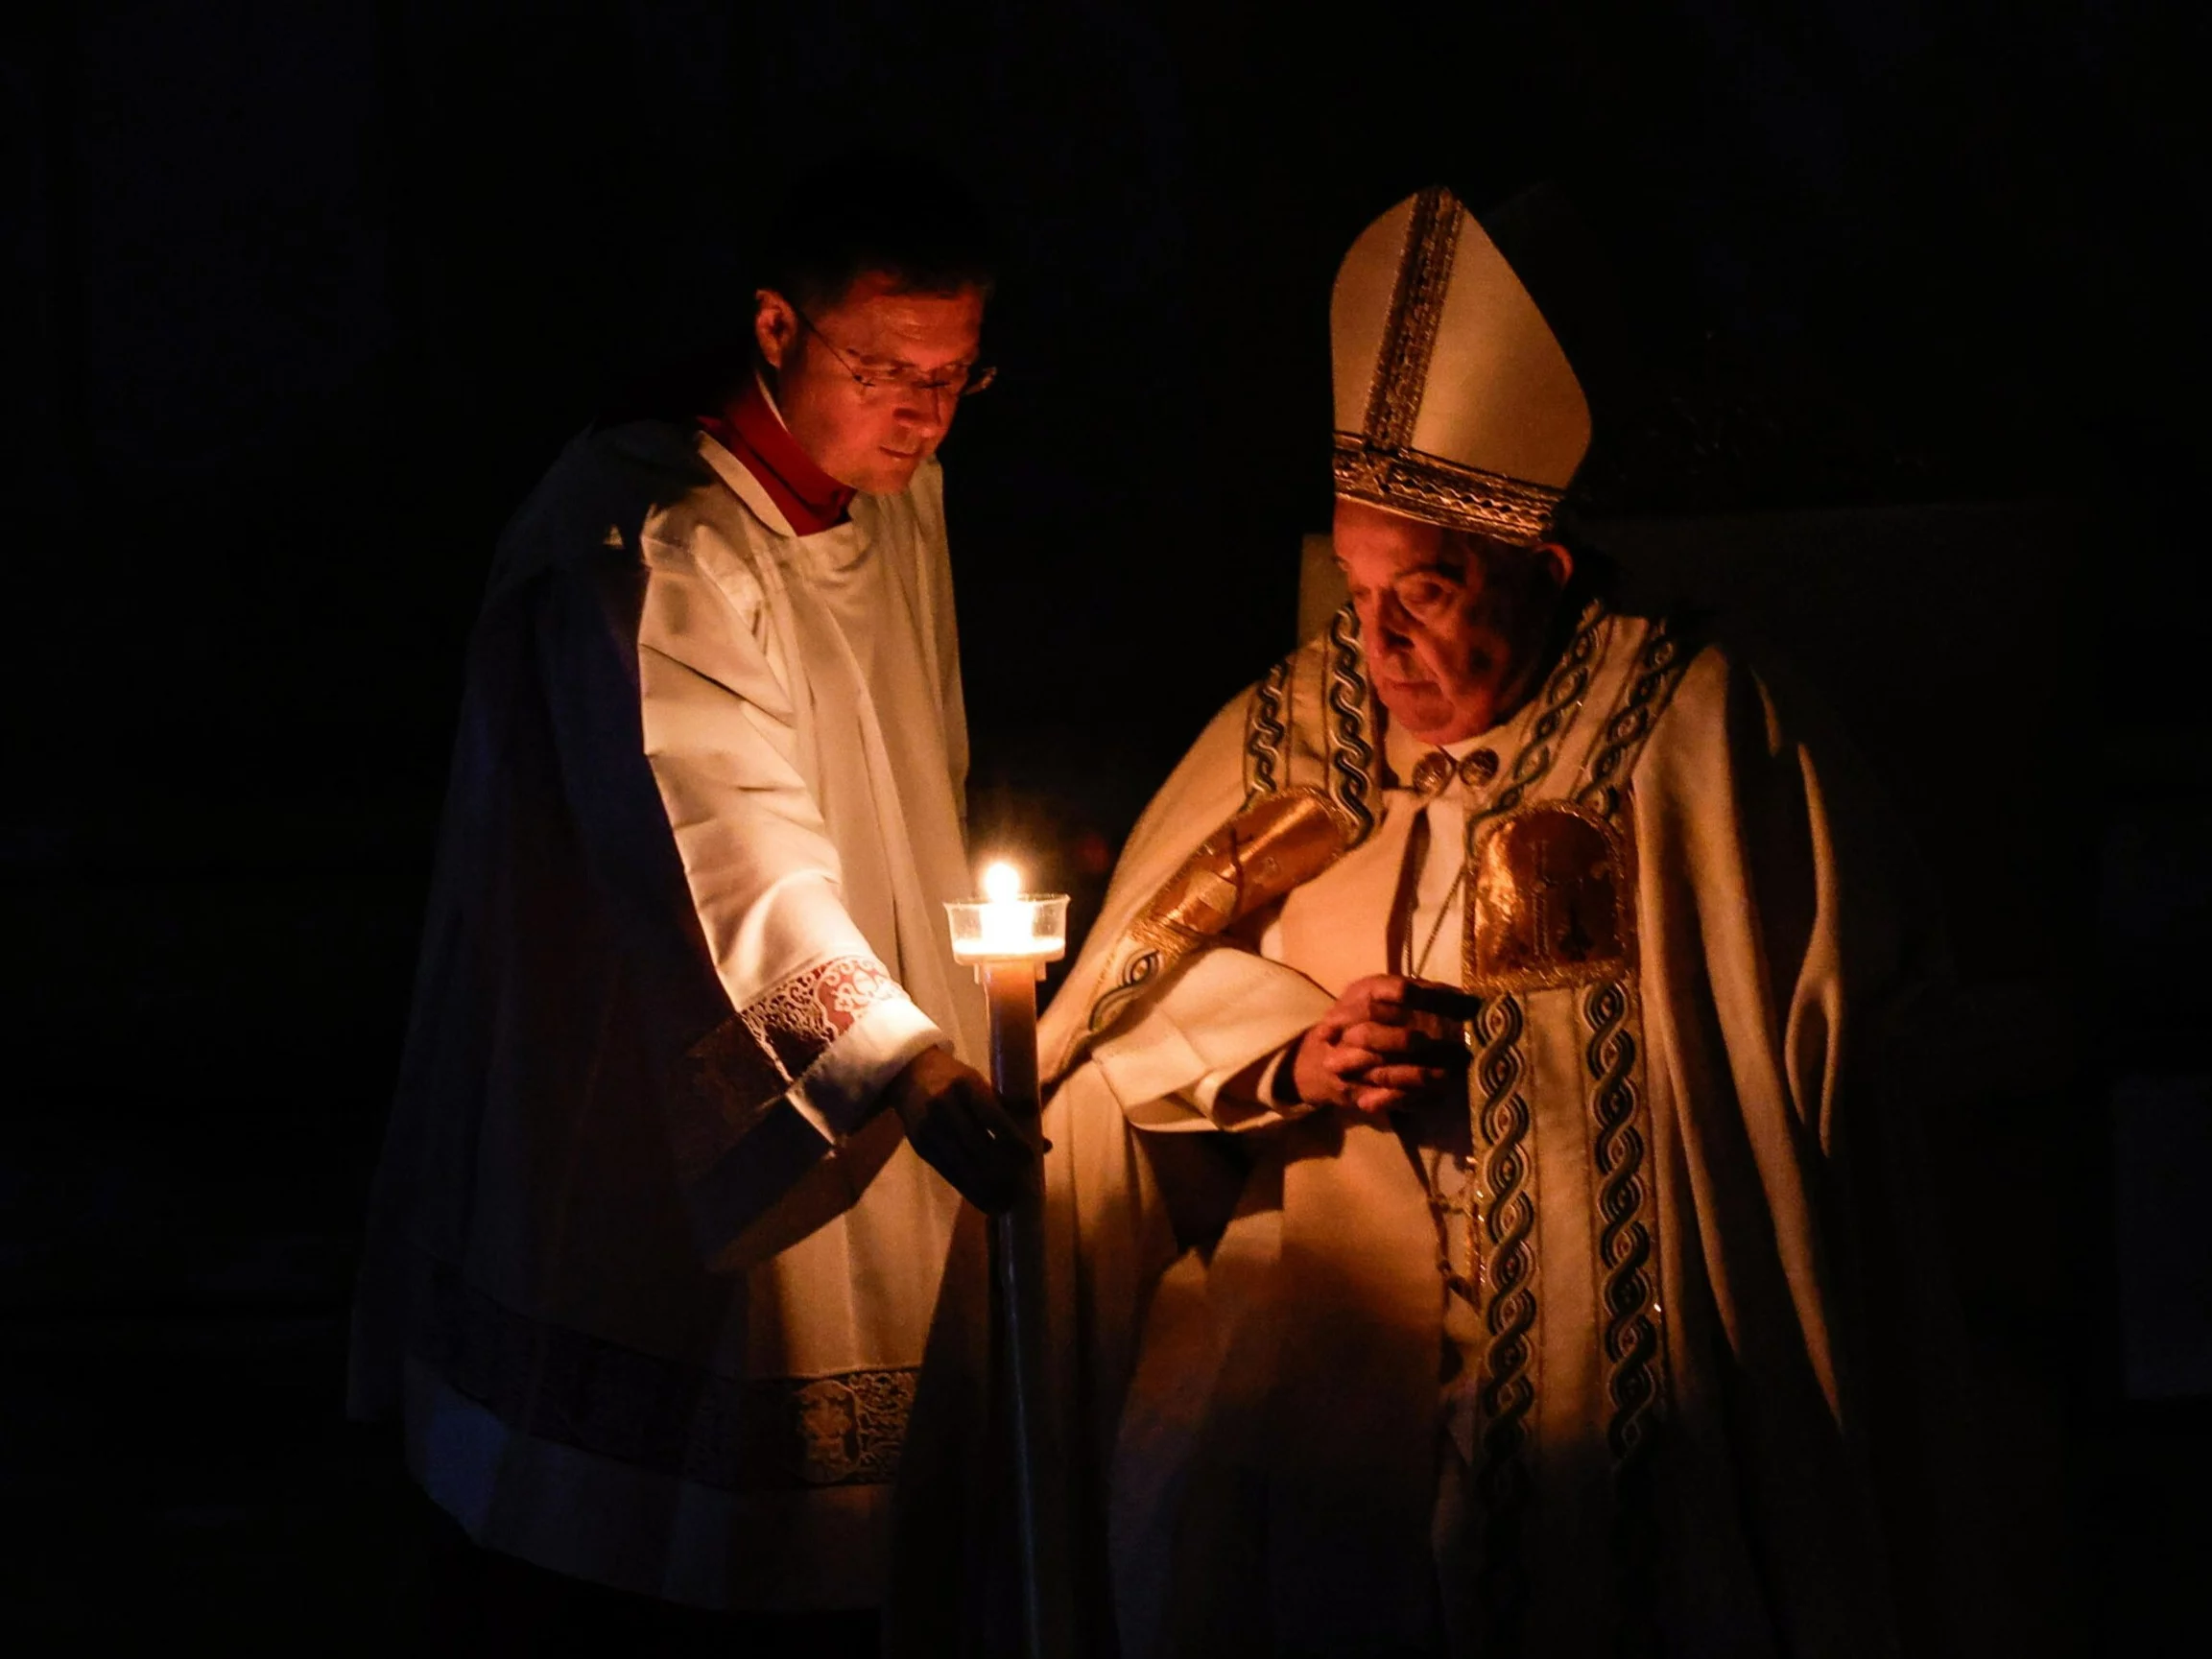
point(1008, 937)
point(1017, 1273)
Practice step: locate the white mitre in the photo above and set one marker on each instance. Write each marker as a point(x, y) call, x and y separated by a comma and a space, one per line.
point(1455, 403)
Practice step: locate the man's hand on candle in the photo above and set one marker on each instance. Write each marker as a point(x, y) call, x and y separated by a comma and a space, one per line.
point(1382, 1047)
point(956, 1123)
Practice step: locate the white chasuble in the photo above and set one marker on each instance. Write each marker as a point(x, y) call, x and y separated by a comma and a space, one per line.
point(1622, 1352)
point(650, 1274)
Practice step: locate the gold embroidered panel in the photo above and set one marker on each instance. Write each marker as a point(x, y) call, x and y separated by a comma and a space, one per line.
point(1276, 843)
point(1553, 902)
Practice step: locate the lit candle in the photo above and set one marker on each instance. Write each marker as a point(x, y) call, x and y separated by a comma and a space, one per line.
point(1009, 925)
point(1008, 937)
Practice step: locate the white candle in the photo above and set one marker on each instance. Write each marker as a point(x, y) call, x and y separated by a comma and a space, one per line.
point(1009, 937)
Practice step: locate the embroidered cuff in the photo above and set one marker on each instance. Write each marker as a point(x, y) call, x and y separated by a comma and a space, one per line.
point(837, 1032)
point(823, 1042)
point(845, 1087)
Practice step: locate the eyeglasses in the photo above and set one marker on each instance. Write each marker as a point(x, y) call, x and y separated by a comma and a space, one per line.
point(872, 385)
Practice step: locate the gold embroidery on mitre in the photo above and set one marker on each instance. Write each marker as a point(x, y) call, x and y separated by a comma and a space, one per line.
point(1436, 492)
point(1553, 902)
point(1378, 463)
point(1417, 308)
point(1276, 843)
point(1497, 466)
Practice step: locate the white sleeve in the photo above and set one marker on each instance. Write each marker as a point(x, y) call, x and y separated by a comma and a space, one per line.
point(819, 1023)
point(1223, 1009)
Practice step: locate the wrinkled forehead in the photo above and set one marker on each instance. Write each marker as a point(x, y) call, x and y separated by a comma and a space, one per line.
point(1378, 542)
point(1375, 546)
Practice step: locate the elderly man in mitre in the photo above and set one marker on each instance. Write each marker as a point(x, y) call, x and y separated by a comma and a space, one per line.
point(653, 1255)
point(1479, 1147)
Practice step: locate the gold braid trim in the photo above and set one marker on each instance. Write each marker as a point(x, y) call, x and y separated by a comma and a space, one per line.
point(1438, 491)
point(1417, 308)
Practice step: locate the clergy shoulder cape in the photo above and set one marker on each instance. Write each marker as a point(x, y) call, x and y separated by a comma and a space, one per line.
point(1711, 1333)
point(648, 1277)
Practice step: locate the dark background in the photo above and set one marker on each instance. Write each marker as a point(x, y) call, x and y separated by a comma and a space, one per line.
point(303, 297)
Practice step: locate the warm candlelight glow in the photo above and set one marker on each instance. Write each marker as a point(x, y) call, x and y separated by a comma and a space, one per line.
point(1005, 926)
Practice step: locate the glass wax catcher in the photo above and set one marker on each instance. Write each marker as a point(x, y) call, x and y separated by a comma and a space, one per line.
point(1028, 928)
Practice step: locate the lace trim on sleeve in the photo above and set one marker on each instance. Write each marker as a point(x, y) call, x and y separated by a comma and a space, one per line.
point(749, 1061)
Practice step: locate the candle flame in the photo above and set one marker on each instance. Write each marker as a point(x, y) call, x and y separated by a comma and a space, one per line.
point(1001, 881)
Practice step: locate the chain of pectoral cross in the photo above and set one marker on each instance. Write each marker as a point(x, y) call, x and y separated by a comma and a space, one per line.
point(1446, 1213)
point(1416, 966)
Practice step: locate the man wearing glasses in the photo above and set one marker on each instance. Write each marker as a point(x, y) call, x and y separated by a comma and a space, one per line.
point(652, 1254)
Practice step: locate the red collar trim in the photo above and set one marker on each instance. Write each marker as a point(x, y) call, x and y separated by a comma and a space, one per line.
point(752, 431)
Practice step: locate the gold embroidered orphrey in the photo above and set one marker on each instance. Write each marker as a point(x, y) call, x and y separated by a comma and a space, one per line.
point(1553, 901)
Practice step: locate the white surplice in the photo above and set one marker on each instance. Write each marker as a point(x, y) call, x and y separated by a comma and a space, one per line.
point(648, 1272)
